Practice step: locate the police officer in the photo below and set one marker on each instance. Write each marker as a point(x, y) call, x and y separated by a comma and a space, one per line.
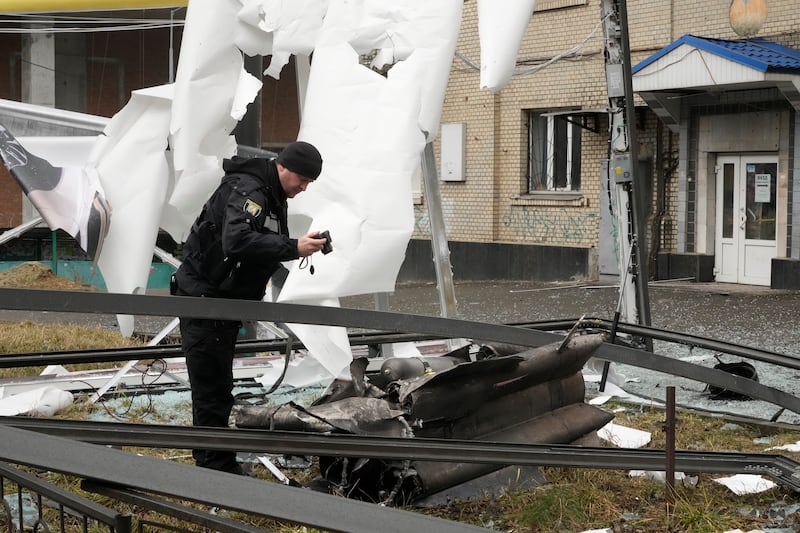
point(235, 245)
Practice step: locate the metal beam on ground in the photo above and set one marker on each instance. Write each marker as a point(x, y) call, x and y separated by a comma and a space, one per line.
point(238, 493)
point(363, 339)
point(781, 468)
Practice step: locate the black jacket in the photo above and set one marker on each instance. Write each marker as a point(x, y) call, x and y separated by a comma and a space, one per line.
point(240, 237)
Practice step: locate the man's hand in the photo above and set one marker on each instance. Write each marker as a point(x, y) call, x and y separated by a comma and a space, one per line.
point(310, 243)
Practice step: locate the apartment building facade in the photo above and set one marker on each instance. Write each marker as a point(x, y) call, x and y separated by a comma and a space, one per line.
point(716, 155)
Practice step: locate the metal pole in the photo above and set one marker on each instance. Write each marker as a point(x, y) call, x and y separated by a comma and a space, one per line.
point(53, 253)
point(669, 427)
point(634, 300)
point(637, 193)
point(13, 233)
point(382, 304)
point(441, 251)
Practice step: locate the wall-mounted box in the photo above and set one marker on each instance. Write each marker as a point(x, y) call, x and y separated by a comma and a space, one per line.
point(452, 154)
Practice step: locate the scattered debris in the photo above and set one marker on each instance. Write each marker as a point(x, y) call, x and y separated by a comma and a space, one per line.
point(746, 483)
point(623, 437)
point(44, 401)
point(730, 426)
point(739, 368)
point(788, 447)
point(491, 392)
point(661, 477)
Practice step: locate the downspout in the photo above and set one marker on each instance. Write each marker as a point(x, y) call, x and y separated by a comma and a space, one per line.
point(655, 224)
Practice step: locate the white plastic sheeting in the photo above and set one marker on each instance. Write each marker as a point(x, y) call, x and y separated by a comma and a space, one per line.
point(44, 401)
point(501, 26)
point(624, 437)
point(131, 160)
point(371, 130)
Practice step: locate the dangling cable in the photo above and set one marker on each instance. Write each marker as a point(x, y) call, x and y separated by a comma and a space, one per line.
point(289, 342)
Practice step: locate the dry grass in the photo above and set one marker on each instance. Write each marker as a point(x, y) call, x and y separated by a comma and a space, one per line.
point(27, 336)
point(579, 499)
point(34, 275)
point(30, 337)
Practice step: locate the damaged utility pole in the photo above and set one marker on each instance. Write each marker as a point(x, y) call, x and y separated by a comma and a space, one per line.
point(626, 190)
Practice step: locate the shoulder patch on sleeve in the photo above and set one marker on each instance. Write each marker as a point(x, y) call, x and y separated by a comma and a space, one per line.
point(252, 208)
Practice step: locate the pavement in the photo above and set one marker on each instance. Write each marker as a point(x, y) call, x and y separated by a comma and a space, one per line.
point(748, 315)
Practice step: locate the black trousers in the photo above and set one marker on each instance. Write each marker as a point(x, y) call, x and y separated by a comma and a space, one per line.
point(208, 346)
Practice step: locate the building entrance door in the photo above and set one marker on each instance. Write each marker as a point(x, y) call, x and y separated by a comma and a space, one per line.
point(746, 215)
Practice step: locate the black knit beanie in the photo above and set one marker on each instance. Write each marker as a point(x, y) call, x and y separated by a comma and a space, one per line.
point(303, 158)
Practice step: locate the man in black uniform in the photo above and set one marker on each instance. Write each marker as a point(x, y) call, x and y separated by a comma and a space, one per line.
point(236, 244)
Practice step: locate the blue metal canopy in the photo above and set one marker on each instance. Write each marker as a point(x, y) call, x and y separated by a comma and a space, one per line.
point(756, 53)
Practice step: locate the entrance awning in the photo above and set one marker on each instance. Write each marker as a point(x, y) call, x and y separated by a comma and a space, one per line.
point(694, 65)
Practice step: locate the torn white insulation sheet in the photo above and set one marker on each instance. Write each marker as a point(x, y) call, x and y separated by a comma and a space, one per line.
point(152, 187)
point(501, 26)
point(131, 160)
point(371, 129)
point(212, 90)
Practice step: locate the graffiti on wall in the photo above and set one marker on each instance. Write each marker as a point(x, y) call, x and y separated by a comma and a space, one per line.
point(422, 222)
point(531, 224)
point(551, 226)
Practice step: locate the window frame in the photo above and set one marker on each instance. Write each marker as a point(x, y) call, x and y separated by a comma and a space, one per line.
point(559, 129)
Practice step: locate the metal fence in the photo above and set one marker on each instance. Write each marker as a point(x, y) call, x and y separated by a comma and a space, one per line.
point(30, 503)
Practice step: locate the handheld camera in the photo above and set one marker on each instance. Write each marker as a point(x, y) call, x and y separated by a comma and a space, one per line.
point(327, 247)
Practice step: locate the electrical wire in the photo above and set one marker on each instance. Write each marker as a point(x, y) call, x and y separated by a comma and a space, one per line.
point(572, 52)
point(130, 27)
point(55, 21)
point(567, 54)
point(21, 24)
point(160, 367)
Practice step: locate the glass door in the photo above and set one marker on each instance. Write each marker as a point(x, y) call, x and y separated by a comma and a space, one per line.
point(746, 218)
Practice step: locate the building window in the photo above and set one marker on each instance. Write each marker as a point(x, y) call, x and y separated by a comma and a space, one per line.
point(554, 152)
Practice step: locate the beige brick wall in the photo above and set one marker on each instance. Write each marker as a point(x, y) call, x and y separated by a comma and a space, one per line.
point(487, 206)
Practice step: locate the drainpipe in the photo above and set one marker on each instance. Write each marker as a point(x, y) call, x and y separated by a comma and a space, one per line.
point(655, 227)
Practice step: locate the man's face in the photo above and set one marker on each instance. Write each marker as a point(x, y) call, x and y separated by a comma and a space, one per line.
point(292, 182)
